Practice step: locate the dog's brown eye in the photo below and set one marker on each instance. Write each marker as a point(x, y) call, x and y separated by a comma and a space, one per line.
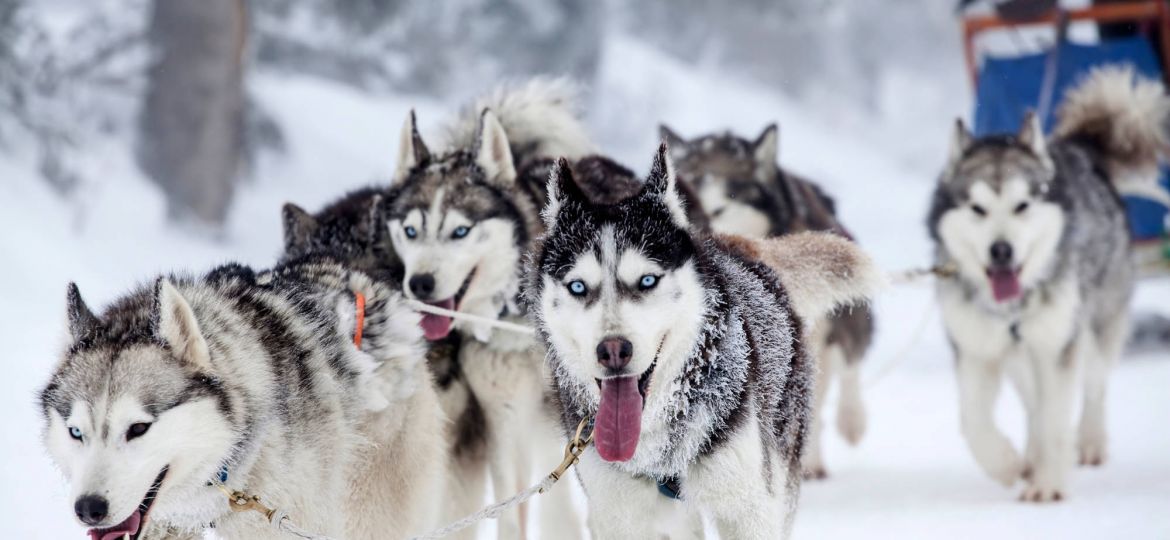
point(978, 210)
point(137, 430)
point(1021, 207)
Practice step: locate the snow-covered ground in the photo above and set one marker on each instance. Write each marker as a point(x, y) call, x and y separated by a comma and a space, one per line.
point(912, 476)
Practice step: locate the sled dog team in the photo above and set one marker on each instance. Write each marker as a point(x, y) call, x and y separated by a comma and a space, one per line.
point(692, 319)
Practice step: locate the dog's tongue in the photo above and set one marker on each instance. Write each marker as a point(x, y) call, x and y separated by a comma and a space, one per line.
point(119, 531)
point(1005, 284)
point(619, 419)
point(437, 326)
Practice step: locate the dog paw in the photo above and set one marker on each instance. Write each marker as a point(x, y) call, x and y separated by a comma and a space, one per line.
point(1091, 450)
point(817, 473)
point(851, 422)
point(1039, 493)
point(1001, 461)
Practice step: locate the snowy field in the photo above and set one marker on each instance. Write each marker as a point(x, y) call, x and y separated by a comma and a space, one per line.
point(912, 476)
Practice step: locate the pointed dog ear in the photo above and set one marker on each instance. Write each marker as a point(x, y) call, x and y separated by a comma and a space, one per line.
point(1031, 135)
point(661, 183)
point(299, 227)
point(961, 140)
point(176, 326)
point(492, 152)
point(766, 150)
point(678, 145)
point(562, 187)
point(81, 319)
point(412, 152)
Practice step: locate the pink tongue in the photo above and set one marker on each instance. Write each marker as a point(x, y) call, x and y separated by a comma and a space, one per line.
point(119, 531)
point(437, 326)
point(619, 419)
point(1005, 284)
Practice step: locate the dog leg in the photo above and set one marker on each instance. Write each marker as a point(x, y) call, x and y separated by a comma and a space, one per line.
point(850, 409)
point(1055, 374)
point(813, 461)
point(620, 506)
point(505, 472)
point(745, 502)
point(979, 381)
point(1021, 374)
point(1091, 436)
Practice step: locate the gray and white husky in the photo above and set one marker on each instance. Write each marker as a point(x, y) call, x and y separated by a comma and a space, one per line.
point(685, 350)
point(253, 380)
point(746, 192)
point(460, 220)
point(1038, 236)
point(352, 229)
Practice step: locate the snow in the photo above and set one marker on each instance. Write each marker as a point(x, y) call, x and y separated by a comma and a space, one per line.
point(912, 476)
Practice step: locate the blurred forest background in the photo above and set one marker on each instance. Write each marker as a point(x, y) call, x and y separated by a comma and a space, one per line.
point(172, 78)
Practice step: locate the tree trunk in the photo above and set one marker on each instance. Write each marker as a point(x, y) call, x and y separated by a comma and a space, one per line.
point(190, 137)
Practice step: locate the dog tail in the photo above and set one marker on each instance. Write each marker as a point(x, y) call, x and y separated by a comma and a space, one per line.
point(1124, 116)
point(540, 117)
point(820, 271)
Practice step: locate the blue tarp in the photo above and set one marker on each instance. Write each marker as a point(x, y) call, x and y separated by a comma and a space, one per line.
point(1008, 87)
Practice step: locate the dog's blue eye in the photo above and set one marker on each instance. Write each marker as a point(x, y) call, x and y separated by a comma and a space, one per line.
point(577, 287)
point(648, 282)
point(137, 430)
point(460, 232)
point(75, 433)
point(410, 231)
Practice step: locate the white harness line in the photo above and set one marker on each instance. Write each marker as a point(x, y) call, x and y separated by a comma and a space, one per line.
point(459, 315)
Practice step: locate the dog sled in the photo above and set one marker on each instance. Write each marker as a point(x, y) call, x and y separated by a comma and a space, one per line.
point(1042, 51)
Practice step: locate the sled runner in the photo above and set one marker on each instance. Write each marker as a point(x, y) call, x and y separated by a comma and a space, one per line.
point(1136, 33)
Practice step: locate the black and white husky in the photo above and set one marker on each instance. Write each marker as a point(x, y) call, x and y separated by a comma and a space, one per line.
point(265, 382)
point(686, 351)
point(460, 220)
point(1038, 235)
point(746, 192)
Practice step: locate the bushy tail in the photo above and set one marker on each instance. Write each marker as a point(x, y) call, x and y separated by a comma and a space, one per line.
point(1123, 115)
point(820, 271)
point(539, 116)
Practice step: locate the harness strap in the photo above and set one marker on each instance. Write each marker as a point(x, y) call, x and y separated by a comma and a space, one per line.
point(359, 309)
point(670, 487)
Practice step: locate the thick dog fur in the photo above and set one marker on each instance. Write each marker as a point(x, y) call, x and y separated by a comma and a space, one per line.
point(352, 230)
point(713, 341)
point(460, 220)
point(747, 193)
point(1038, 235)
point(255, 373)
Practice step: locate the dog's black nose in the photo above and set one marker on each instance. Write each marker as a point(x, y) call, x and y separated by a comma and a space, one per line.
point(1001, 253)
point(615, 352)
point(422, 285)
point(91, 509)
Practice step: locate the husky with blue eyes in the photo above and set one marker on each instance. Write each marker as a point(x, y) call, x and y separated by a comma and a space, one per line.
point(460, 221)
point(271, 383)
point(684, 352)
point(1037, 233)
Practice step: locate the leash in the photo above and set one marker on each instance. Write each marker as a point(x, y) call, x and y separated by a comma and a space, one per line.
point(573, 452)
point(240, 501)
point(945, 271)
point(459, 315)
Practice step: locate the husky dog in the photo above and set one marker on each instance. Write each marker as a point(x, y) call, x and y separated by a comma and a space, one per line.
point(685, 351)
point(353, 230)
point(1038, 236)
point(250, 379)
point(460, 220)
point(746, 192)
